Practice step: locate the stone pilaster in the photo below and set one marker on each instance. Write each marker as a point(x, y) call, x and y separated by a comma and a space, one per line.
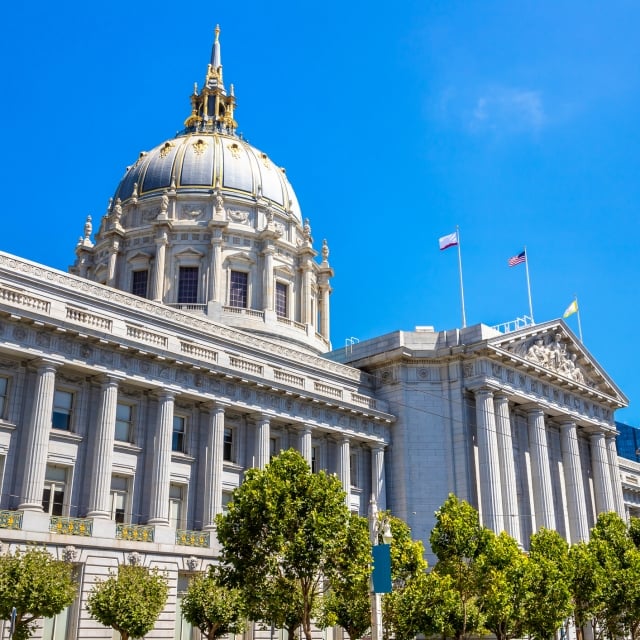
point(488, 462)
point(263, 435)
point(601, 474)
point(213, 471)
point(574, 487)
point(100, 478)
point(378, 483)
point(540, 470)
point(616, 483)
point(37, 446)
point(158, 267)
point(507, 467)
point(306, 443)
point(268, 293)
point(344, 467)
point(160, 476)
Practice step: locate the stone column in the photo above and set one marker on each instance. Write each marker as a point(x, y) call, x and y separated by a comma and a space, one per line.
point(616, 482)
point(488, 462)
point(111, 266)
point(576, 505)
point(325, 292)
point(160, 475)
point(306, 295)
point(215, 277)
point(37, 446)
point(306, 449)
point(601, 474)
point(378, 484)
point(540, 470)
point(263, 436)
point(507, 467)
point(268, 295)
point(158, 267)
point(213, 470)
point(344, 467)
point(100, 477)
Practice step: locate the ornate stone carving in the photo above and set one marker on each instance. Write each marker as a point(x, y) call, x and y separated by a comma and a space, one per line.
point(553, 353)
point(192, 563)
point(19, 333)
point(43, 340)
point(241, 217)
point(199, 146)
point(70, 553)
point(134, 559)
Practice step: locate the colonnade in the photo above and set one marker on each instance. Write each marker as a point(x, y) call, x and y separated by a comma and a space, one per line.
point(37, 448)
point(497, 469)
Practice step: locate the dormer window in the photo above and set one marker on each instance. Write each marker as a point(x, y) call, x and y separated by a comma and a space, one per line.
point(188, 285)
point(238, 289)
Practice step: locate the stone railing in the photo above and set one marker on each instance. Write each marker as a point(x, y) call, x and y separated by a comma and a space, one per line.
point(12, 296)
point(193, 538)
point(71, 526)
point(199, 352)
point(182, 306)
point(147, 336)
point(135, 532)
point(246, 365)
point(363, 401)
point(90, 319)
point(10, 519)
point(326, 390)
point(288, 378)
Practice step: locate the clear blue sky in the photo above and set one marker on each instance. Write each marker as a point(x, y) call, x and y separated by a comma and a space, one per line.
point(517, 121)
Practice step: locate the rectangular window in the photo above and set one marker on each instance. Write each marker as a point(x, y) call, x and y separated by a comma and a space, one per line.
point(282, 294)
point(227, 448)
point(183, 629)
point(54, 486)
point(353, 464)
point(62, 407)
point(315, 459)
point(273, 448)
point(238, 292)
point(4, 384)
point(227, 497)
point(188, 285)
point(119, 498)
point(139, 283)
point(124, 420)
point(56, 628)
point(179, 430)
point(175, 506)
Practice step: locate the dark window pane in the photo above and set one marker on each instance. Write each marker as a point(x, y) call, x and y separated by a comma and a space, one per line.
point(177, 442)
point(188, 285)
point(281, 299)
point(139, 282)
point(239, 288)
point(227, 449)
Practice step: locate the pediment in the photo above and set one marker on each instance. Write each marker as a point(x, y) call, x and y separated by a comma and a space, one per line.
point(554, 350)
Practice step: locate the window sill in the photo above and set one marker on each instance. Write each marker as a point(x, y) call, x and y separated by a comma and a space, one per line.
point(182, 457)
point(129, 447)
point(232, 466)
point(68, 436)
point(7, 426)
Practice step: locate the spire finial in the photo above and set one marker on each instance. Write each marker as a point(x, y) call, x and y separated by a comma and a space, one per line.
point(217, 31)
point(216, 61)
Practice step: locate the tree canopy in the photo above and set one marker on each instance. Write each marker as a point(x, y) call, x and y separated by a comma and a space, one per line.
point(37, 585)
point(282, 539)
point(129, 600)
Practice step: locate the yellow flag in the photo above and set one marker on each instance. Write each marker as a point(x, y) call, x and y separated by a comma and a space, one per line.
point(571, 309)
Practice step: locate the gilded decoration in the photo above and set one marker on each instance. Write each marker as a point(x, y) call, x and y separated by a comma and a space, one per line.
point(166, 149)
point(10, 519)
point(235, 150)
point(71, 526)
point(193, 538)
point(200, 146)
point(136, 532)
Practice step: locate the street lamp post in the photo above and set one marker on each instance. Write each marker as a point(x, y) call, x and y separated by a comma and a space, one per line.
point(381, 572)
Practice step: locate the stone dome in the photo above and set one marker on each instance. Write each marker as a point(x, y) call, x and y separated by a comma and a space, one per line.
point(199, 162)
point(208, 224)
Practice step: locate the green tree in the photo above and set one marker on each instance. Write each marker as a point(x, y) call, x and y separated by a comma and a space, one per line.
point(212, 607)
point(458, 540)
point(37, 585)
point(130, 600)
point(548, 599)
point(587, 581)
point(282, 538)
point(501, 586)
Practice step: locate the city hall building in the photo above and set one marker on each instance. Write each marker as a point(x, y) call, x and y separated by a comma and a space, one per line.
point(190, 342)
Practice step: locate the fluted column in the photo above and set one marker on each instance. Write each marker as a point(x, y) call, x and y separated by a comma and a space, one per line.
point(325, 292)
point(306, 295)
point(540, 470)
point(100, 477)
point(268, 294)
point(344, 467)
point(378, 483)
point(158, 267)
point(574, 487)
point(160, 478)
point(488, 462)
point(263, 435)
point(616, 483)
point(507, 467)
point(215, 277)
point(306, 444)
point(38, 438)
point(601, 474)
point(213, 471)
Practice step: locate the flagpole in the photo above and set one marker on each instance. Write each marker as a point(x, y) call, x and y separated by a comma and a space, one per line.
point(464, 316)
point(579, 323)
point(526, 264)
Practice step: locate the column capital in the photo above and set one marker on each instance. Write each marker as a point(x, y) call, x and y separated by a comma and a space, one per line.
point(501, 396)
point(164, 394)
point(216, 405)
point(45, 364)
point(377, 446)
point(261, 417)
point(565, 423)
point(532, 409)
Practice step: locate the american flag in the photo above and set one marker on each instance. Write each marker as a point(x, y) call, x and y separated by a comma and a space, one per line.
point(519, 259)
